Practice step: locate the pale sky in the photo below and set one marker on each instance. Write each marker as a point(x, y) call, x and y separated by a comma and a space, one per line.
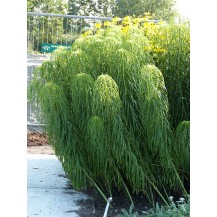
point(183, 7)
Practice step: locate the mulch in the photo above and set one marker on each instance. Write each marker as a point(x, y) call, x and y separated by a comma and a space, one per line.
point(36, 139)
point(37, 143)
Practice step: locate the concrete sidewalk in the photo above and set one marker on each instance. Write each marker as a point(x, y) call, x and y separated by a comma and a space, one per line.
point(49, 193)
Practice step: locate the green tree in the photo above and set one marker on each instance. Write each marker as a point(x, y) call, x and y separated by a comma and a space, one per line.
point(106, 7)
point(163, 9)
point(47, 6)
point(78, 7)
point(92, 8)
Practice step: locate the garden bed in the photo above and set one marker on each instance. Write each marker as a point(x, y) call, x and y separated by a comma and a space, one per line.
point(37, 143)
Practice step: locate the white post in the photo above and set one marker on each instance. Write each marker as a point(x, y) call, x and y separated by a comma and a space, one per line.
point(107, 207)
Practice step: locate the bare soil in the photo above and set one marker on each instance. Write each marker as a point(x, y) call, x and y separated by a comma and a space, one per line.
point(37, 143)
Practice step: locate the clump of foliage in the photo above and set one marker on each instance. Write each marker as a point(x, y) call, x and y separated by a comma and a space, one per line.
point(107, 110)
point(181, 150)
point(180, 208)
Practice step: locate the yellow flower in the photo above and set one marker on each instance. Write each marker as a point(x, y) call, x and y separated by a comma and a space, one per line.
point(136, 21)
point(87, 33)
point(125, 29)
point(126, 23)
point(147, 15)
point(148, 48)
point(146, 24)
point(159, 50)
point(107, 23)
point(115, 19)
point(127, 18)
point(98, 25)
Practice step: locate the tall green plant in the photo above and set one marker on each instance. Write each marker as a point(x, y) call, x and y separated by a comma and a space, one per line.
point(154, 108)
point(107, 112)
point(181, 148)
point(170, 49)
